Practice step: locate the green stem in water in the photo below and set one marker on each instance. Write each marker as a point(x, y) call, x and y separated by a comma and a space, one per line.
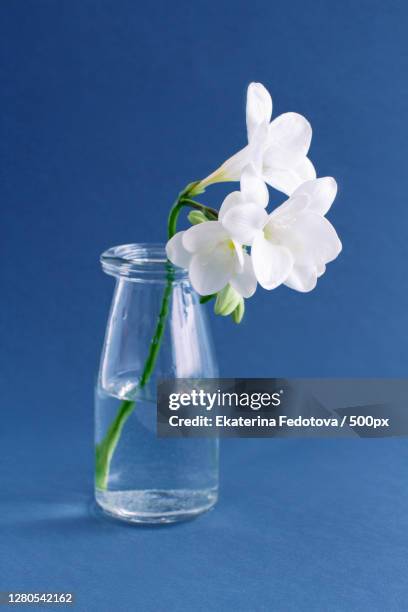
point(105, 449)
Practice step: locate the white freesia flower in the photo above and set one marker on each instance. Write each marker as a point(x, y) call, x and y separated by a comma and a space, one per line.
point(212, 257)
point(277, 149)
point(294, 243)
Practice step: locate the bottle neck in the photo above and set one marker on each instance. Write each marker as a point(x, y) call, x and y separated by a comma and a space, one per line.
point(143, 262)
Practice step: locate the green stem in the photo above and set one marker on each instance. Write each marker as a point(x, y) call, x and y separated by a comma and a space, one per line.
point(175, 211)
point(210, 212)
point(206, 298)
point(105, 449)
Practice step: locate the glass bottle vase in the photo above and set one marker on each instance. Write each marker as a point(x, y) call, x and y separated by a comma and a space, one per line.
point(157, 328)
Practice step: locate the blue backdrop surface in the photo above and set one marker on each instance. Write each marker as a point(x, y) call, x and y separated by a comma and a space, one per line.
point(107, 110)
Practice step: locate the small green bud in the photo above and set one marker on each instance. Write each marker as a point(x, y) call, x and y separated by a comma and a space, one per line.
point(239, 311)
point(196, 216)
point(226, 302)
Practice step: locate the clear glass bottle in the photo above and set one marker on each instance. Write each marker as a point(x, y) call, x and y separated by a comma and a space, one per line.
point(139, 477)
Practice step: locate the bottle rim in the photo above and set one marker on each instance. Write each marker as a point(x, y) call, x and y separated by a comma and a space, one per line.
point(141, 262)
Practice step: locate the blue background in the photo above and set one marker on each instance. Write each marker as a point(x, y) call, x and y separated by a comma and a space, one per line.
point(107, 110)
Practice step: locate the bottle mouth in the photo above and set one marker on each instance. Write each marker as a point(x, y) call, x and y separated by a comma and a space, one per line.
point(145, 262)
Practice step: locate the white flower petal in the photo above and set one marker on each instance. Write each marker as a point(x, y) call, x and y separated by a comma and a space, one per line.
point(231, 169)
point(233, 199)
point(272, 263)
point(244, 280)
point(239, 253)
point(321, 191)
point(244, 221)
point(275, 156)
point(292, 132)
point(176, 252)
point(210, 272)
point(311, 239)
point(290, 178)
point(253, 187)
point(204, 237)
point(258, 107)
point(281, 179)
point(305, 170)
point(258, 145)
point(287, 212)
point(321, 235)
point(302, 278)
point(320, 269)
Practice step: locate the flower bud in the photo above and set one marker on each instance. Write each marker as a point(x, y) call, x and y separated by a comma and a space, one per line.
point(227, 301)
point(196, 216)
point(239, 311)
